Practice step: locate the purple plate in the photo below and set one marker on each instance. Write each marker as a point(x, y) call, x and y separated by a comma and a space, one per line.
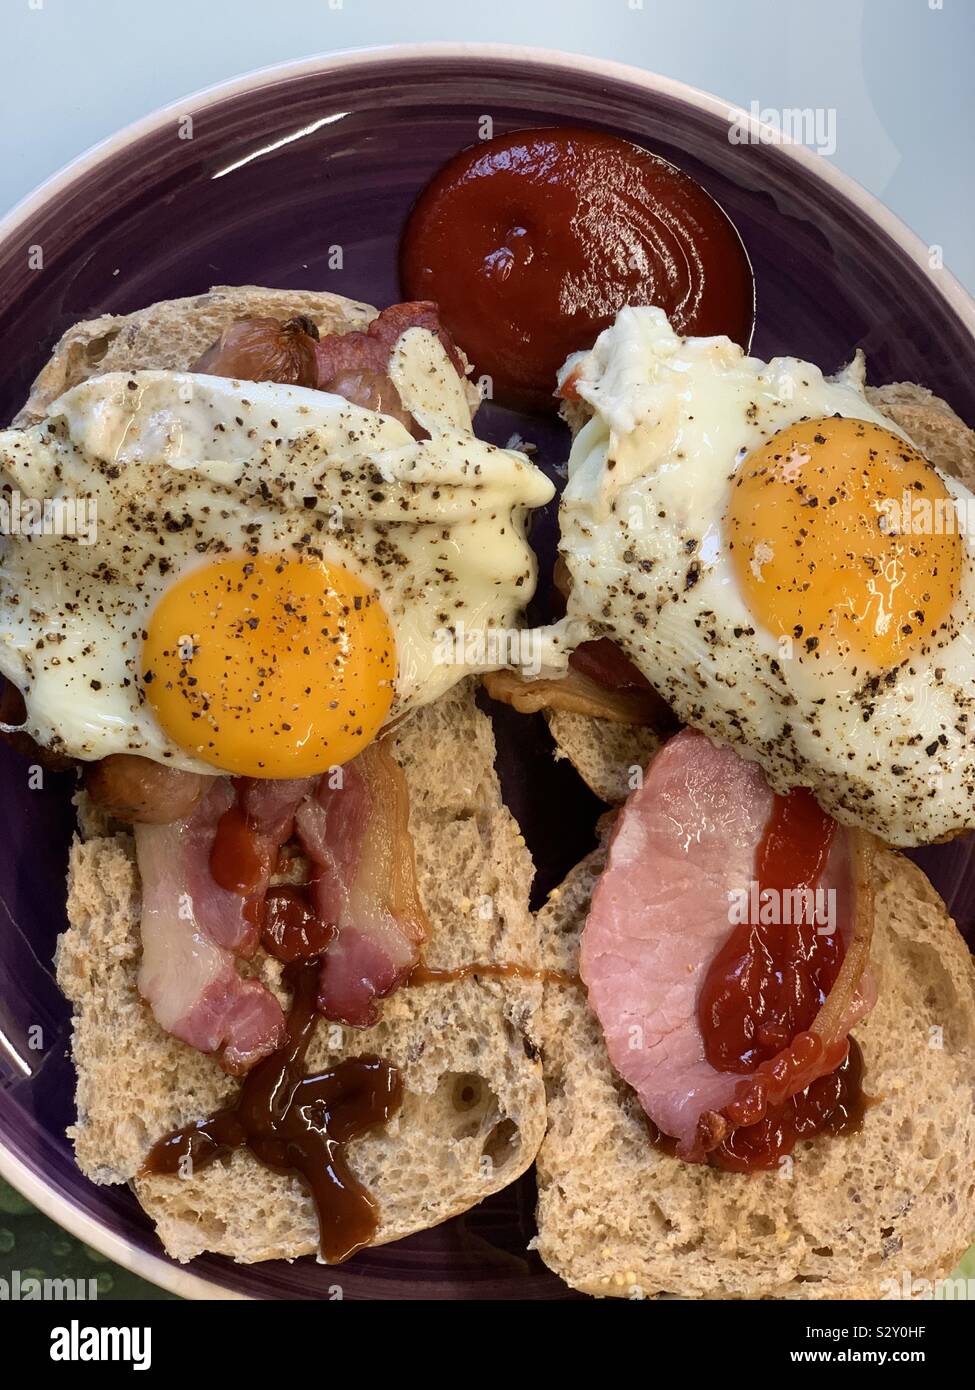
point(280, 168)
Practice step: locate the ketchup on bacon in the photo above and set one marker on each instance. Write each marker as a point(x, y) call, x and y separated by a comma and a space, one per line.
point(768, 981)
point(240, 861)
point(767, 984)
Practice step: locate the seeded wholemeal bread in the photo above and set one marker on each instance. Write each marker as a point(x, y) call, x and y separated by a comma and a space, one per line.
point(940, 434)
point(473, 1114)
point(850, 1218)
point(604, 753)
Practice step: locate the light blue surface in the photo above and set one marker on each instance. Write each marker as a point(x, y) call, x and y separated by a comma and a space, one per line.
point(896, 73)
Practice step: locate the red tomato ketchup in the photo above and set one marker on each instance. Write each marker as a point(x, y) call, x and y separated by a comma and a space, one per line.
point(833, 1104)
point(531, 242)
point(767, 984)
point(238, 860)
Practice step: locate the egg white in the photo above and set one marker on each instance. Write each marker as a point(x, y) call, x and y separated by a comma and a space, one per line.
point(650, 478)
point(185, 469)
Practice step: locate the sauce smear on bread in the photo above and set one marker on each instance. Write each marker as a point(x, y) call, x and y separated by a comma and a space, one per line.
point(423, 974)
point(299, 1124)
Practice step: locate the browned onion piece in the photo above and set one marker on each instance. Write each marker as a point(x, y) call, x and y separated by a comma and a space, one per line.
point(135, 789)
point(828, 1023)
point(264, 349)
point(577, 694)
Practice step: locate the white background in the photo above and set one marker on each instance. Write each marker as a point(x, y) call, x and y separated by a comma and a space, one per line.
point(898, 73)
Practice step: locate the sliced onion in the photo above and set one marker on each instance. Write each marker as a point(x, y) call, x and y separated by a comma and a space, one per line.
point(576, 694)
point(829, 1022)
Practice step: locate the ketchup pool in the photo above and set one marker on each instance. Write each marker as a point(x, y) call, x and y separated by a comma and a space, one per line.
point(531, 242)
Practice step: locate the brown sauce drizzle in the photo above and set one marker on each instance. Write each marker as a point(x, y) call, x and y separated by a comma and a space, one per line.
point(292, 929)
point(293, 1123)
point(298, 1125)
point(422, 974)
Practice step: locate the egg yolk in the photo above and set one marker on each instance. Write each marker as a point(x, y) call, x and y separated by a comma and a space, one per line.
point(844, 540)
point(270, 666)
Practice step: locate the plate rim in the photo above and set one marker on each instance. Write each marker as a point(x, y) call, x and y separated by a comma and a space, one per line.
point(165, 1273)
point(158, 1269)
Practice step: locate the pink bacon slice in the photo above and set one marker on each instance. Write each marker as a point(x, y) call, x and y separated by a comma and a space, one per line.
point(658, 917)
point(192, 929)
point(353, 825)
point(355, 832)
point(369, 349)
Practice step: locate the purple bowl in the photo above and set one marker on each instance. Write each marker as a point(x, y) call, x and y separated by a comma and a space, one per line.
point(283, 165)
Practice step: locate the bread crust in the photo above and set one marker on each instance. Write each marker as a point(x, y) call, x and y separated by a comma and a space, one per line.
point(172, 334)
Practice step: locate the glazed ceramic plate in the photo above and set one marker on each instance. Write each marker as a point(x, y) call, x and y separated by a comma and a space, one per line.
point(279, 169)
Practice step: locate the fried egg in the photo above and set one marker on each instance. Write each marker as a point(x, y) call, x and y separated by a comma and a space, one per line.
point(274, 573)
point(783, 565)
